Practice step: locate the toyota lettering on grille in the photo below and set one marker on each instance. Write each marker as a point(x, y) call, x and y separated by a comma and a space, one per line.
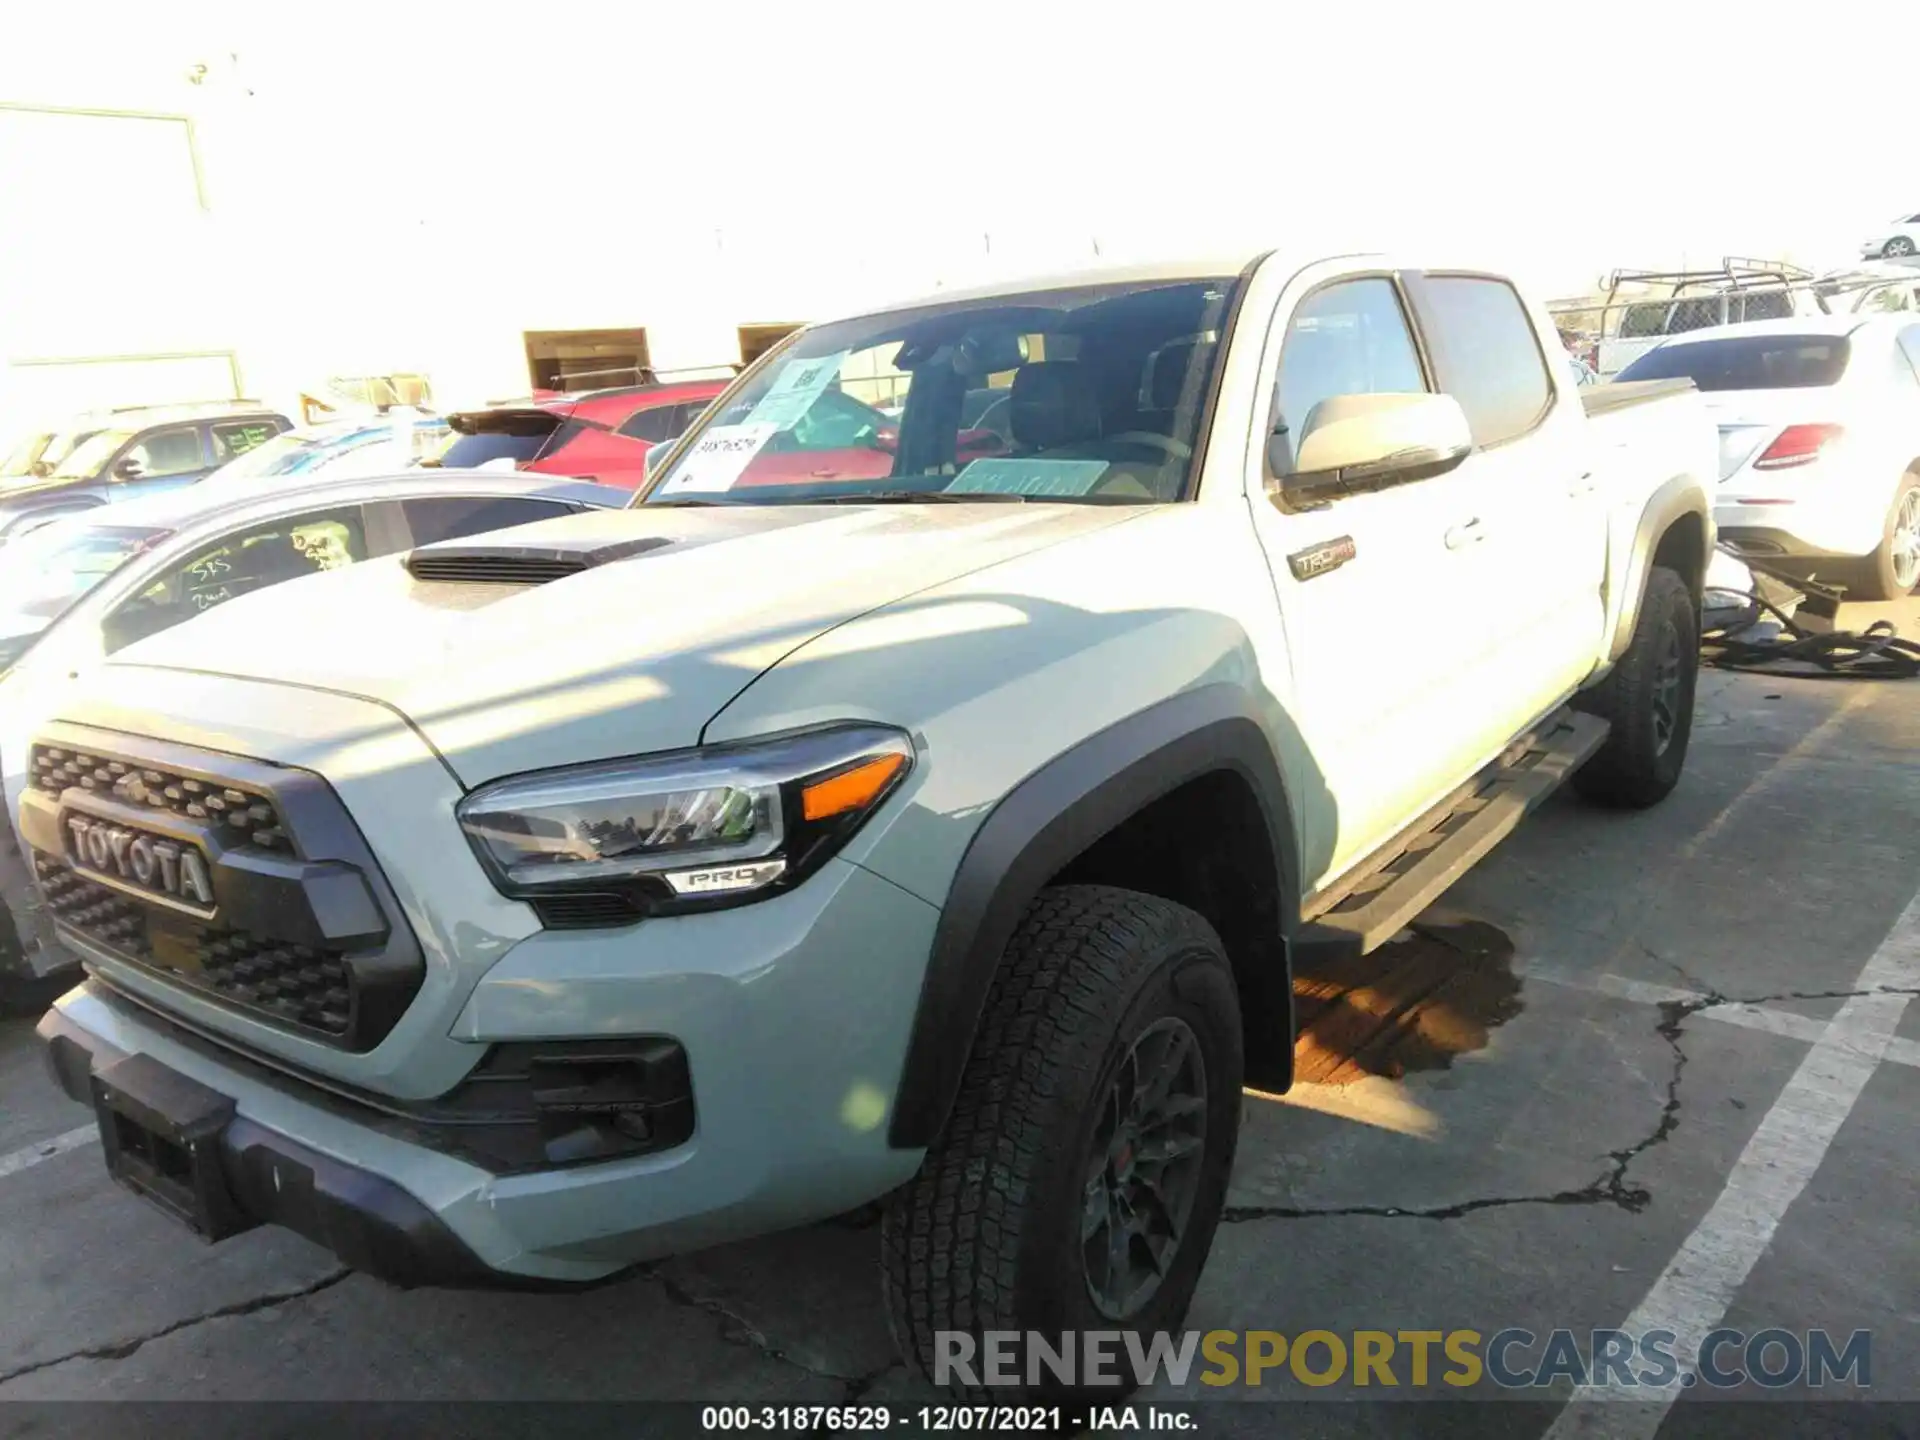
point(151, 863)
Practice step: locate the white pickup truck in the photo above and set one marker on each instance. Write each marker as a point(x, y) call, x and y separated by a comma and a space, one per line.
point(934, 813)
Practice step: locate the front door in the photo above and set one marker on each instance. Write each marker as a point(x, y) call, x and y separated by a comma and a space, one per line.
point(1378, 592)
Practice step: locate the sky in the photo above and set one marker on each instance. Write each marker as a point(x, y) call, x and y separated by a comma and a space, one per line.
point(825, 156)
point(1561, 139)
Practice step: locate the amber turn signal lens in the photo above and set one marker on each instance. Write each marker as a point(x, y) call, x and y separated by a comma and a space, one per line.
point(850, 789)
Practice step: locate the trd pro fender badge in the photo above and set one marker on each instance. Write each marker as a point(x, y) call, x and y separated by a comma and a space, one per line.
point(1319, 559)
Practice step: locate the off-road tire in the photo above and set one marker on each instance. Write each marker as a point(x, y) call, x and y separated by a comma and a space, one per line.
point(1872, 577)
point(1634, 769)
point(987, 1236)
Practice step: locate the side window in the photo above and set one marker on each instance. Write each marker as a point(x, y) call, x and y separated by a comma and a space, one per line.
point(255, 558)
point(652, 425)
point(1496, 370)
point(168, 452)
point(236, 437)
point(1350, 338)
point(454, 517)
point(1910, 347)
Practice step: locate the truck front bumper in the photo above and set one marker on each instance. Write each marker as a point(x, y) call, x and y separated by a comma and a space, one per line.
point(793, 1032)
point(267, 1178)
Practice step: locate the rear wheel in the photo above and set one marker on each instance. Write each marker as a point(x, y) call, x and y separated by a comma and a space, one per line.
point(1078, 1183)
point(1893, 569)
point(1648, 699)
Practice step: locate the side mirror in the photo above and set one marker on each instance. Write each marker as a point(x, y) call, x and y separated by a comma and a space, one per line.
point(1368, 442)
point(887, 439)
point(127, 469)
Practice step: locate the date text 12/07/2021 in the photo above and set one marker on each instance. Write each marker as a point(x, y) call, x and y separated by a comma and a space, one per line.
point(935, 1419)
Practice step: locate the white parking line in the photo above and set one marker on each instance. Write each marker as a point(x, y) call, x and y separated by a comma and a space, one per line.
point(1692, 1294)
point(31, 1155)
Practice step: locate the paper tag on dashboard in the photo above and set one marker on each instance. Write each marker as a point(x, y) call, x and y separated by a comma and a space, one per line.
point(717, 459)
point(1028, 476)
point(801, 383)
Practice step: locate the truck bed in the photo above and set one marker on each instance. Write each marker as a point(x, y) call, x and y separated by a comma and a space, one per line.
point(1614, 395)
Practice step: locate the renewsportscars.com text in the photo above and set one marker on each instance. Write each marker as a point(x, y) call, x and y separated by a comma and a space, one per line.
point(1511, 1359)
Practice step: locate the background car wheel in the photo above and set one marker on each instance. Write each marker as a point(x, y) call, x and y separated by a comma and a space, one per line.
point(1899, 245)
point(1648, 697)
point(1080, 1178)
point(1894, 569)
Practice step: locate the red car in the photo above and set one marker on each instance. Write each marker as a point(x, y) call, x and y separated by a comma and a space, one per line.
point(601, 435)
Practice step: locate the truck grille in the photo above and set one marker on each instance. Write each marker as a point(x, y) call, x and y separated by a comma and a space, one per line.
point(293, 984)
point(233, 879)
point(236, 817)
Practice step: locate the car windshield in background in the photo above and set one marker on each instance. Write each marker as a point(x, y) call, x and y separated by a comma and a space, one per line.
point(48, 570)
point(1095, 393)
point(285, 454)
point(21, 460)
point(90, 457)
point(1747, 362)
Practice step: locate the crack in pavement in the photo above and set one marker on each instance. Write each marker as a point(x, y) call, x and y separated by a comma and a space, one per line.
point(1608, 1189)
point(736, 1329)
point(121, 1349)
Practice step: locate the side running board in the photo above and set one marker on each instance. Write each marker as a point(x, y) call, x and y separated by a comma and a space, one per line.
point(1368, 906)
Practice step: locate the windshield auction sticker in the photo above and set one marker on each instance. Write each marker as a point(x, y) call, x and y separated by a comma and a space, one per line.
point(800, 384)
point(718, 458)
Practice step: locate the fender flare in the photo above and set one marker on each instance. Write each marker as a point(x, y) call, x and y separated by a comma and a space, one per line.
point(1680, 496)
point(1031, 834)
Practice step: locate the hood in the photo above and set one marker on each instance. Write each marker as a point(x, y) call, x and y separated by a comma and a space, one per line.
point(30, 494)
point(676, 611)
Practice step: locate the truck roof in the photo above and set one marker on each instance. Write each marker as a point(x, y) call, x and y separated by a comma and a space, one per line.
point(1171, 270)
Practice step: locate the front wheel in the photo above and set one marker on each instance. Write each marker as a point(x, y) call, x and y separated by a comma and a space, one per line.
point(1899, 245)
point(1079, 1180)
point(1648, 699)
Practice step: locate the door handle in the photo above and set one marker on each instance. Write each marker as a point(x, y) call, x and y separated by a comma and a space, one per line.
point(1463, 535)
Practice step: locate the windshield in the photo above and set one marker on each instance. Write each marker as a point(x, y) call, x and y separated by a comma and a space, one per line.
point(21, 458)
point(90, 457)
point(1747, 362)
point(1094, 393)
point(48, 570)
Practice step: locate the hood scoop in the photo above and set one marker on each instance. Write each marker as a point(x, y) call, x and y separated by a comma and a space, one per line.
point(478, 563)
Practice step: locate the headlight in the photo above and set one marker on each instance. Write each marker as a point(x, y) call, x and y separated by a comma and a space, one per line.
point(688, 830)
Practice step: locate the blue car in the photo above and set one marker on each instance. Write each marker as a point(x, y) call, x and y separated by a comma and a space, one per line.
point(154, 452)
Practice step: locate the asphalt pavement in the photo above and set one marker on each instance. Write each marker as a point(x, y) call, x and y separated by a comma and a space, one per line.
point(1672, 1085)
